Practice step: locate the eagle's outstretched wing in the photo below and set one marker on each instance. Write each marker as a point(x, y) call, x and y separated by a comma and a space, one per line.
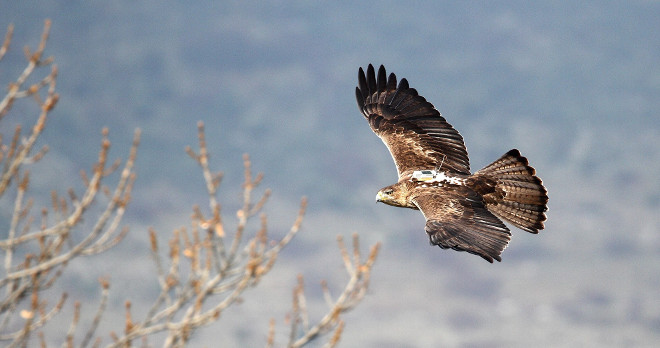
point(457, 218)
point(417, 136)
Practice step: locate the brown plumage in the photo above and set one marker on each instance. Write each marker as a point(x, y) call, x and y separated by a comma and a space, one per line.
point(462, 210)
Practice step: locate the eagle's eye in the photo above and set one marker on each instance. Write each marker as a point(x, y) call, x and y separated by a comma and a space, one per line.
point(389, 192)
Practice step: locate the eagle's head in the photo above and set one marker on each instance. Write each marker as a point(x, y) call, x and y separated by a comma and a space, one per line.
point(395, 195)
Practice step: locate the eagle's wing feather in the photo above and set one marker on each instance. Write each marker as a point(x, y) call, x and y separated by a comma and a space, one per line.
point(457, 218)
point(417, 136)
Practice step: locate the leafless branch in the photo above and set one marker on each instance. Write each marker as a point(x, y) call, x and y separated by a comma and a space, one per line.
point(359, 272)
point(220, 265)
point(36, 254)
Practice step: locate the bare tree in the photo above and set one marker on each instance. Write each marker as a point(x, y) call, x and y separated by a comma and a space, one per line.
point(203, 270)
point(37, 250)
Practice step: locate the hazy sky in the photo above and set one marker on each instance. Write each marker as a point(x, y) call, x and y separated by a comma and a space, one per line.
point(575, 87)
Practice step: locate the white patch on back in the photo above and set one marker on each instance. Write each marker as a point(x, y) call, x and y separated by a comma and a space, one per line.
point(435, 177)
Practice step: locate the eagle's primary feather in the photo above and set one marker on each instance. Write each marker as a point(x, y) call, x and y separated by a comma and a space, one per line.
point(461, 209)
point(411, 128)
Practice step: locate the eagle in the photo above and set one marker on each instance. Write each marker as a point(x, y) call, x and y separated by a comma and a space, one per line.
point(463, 211)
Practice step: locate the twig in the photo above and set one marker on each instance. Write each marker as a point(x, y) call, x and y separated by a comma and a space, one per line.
point(105, 286)
point(353, 293)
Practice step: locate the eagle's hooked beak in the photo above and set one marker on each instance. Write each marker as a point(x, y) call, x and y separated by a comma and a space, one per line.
point(386, 196)
point(380, 196)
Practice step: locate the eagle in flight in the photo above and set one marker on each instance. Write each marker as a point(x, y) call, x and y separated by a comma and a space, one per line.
point(463, 211)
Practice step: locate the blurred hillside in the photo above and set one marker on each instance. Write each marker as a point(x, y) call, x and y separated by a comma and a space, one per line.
point(575, 87)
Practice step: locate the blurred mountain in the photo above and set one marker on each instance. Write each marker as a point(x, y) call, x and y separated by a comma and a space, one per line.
point(575, 87)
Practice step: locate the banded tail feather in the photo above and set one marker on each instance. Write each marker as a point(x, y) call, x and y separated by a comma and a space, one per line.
point(513, 192)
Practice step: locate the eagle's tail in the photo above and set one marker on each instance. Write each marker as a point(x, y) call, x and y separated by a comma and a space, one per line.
point(512, 191)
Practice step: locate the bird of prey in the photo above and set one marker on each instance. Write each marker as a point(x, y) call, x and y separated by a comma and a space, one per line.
point(463, 211)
